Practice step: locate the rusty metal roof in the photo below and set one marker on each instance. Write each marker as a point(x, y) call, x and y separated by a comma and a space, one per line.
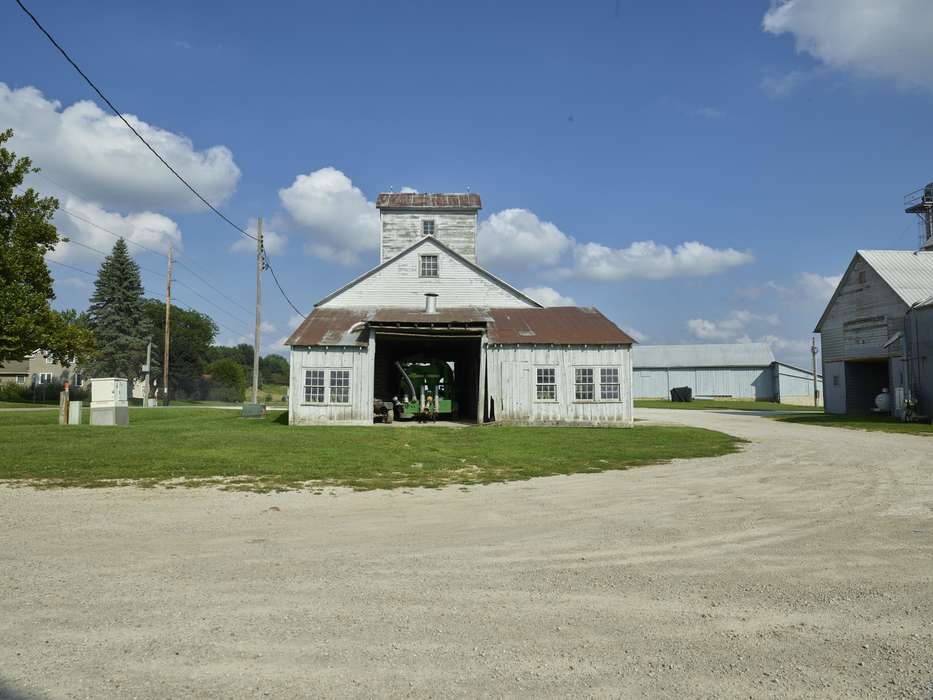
point(556, 325)
point(423, 200)
point(563, 325)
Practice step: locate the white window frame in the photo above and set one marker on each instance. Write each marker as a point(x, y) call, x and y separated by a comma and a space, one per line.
point(49, 360)
point(617, 384)
point(577, 384)
point(428, 223)
point(44, 378)
point(328, 388)
point(20, 378)
point(437, 265)
point(554, 384)
point(310, 386)
point(597, 384)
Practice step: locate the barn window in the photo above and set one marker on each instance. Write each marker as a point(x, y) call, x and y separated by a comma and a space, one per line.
point(585, 388)
point(429, 266)
point(314, 386)
point(427, 227)
point(835, 380)
point(609, 383)
point(340, 386)
point(546, 384)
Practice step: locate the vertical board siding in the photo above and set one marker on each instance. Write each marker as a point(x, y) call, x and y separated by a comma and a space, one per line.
point(357, 360)
point(512, 377)
point(794, 385)
point(401, 229)
point(400, 284)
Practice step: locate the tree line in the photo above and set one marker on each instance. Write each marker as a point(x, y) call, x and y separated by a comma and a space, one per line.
point(112, 337)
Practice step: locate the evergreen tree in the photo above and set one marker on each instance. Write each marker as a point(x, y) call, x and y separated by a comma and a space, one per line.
point(116, 316)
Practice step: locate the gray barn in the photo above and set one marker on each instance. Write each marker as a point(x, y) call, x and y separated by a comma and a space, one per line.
point(876, 331)
point(724, 370)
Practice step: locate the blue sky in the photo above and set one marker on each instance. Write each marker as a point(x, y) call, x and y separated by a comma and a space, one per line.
point(700, 171)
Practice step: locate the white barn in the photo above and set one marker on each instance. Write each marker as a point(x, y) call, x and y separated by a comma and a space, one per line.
point(513, 360)
point(720, 370)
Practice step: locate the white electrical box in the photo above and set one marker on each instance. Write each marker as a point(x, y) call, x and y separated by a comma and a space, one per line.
point(109, 404)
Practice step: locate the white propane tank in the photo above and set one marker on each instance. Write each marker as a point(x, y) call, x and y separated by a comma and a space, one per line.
point(883, 401)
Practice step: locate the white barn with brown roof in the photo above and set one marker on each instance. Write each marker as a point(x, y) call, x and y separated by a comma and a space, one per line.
point(510, 359)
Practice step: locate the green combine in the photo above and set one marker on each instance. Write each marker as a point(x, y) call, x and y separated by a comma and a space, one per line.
point(426, 391)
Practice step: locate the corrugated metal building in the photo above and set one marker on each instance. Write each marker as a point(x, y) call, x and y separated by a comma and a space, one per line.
point(427, 300)
point(720, 370)
point(868, 343)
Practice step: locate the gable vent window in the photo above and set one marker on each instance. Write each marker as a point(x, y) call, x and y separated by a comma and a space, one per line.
point(429, 266)
point(427, 227)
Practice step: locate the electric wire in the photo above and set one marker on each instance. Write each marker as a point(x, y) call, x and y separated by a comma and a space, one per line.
point(154, 152)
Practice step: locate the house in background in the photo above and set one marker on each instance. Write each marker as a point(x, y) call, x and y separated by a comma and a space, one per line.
point(39, 368)
point(428, 301)
point(720, 370)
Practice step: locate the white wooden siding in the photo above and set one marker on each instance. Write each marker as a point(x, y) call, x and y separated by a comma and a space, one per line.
point(511, 380)
point(401, 229)
point(360, 363)
point(399, 284)
point(863, 316)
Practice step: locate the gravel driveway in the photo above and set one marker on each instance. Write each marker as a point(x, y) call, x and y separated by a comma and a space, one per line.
point(801, 567)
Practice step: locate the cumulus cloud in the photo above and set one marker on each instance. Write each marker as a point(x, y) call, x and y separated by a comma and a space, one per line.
point(548, 296)
point(94, 153)
point(518, 238)
point(148, 228)
point(335, 215)
point(732, 328)
point(272, 242)
point(650, 260)
point(887, 39)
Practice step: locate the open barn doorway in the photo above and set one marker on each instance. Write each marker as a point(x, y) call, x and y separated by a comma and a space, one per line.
point(437, 372)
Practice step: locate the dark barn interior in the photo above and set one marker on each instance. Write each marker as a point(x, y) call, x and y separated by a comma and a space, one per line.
point(421, 346)
point(864, 381)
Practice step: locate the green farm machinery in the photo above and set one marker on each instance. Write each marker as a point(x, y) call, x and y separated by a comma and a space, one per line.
point(426, 391)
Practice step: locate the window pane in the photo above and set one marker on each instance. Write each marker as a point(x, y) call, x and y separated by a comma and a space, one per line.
point(427, 227)
point(584, 384)
point(340, 386)
point(546, 381)
point(429, 266)
point(314, 386)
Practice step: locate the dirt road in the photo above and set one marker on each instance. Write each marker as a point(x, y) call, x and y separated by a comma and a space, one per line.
point(800, 567)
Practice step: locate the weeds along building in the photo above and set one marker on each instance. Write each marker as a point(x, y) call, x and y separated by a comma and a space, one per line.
point(428, 307)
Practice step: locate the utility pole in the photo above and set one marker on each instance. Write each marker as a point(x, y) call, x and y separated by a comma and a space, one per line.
point(147, 370)
point(168, 325)
point(259, 266)
point(816, 391)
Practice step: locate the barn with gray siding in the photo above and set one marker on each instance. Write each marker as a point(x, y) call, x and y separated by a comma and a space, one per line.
point(513, 360)
point(720, 370)
point(875, 331)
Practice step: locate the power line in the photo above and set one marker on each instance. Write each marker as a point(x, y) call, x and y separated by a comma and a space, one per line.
point(214, 304)
point(128, 125)
point(208, 283)
point(154, 152)
point(71, 267)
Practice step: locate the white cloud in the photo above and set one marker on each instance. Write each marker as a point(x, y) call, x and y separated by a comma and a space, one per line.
point(787, 346)
point(732, 328)
point(806, 288)
point(650, 260)
point(267, 327)
point(781, 85)
point(338, 219)
point(148, 228)
point(708, 112)
point(408, 190)
point(93, 153)
point(295, 320)
point(888, 39)
point(273, 242)
point(518, 238)
point(548, 296)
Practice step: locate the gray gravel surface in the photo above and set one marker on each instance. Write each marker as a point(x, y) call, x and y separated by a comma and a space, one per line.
point(802, 567)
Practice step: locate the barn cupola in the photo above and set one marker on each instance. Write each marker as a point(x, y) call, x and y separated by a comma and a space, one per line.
point(407, 217)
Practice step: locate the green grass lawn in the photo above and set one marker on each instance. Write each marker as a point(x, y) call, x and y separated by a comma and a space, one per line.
point(203, 444)
point(883, 423)
point(25, 404)
point(720, 404)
